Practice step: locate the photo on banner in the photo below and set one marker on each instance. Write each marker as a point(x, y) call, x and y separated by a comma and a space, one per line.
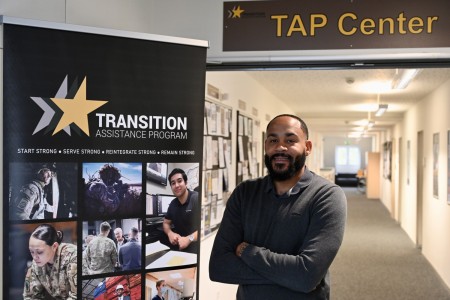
point(112, 189)
point(126, 286)
point(172, 217)
point(111, 246)
point(43, 190)
point(172, 284)
point(42, 254)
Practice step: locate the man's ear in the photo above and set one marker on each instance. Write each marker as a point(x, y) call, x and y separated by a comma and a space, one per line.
point(308, 148)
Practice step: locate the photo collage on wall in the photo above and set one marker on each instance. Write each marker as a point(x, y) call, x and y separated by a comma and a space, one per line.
point(247, 145)
point(91, 209)
point(217, 164)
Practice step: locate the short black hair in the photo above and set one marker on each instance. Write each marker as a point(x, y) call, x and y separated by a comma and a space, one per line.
point(302, 123)
point(178, 171)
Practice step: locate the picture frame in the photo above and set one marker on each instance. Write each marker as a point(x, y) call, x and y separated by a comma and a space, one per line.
point(387, 160)
point(212, 92)
point(408, 161)
point(157, 173)
point(436, 165)
point(448, 167)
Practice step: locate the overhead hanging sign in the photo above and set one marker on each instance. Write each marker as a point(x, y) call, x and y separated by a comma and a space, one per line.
point(331, 24)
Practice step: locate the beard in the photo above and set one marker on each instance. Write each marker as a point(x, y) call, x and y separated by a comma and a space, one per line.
point(295, 164)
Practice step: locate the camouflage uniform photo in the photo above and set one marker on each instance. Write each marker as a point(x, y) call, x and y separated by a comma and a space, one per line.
point(101, 252)
point(31, 203)
point(53, 271)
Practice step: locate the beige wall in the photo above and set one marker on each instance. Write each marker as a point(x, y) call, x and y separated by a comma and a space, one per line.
point(431, 115)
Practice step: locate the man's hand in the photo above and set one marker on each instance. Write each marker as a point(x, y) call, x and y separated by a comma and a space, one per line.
point(240, 248)
point(173, 237)
point(183, 242)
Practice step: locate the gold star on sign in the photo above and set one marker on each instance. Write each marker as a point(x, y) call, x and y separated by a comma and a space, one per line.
point(237, 11)
point(76, 110)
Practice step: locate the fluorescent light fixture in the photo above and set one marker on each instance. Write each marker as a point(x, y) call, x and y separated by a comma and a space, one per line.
point(175, 275)
point(402, 80)
point(355, 134)
point(381, 109)
point(370, 124)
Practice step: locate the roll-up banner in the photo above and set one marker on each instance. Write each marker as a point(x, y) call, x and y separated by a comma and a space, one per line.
point(102, 152)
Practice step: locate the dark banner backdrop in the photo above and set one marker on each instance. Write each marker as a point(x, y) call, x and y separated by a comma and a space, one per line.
point(73, 98)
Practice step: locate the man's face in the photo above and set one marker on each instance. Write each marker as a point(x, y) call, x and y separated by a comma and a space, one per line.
point(162, 287)
point(119, 292)
point(45, 176)
point(118, 235)
point(178, 184)
point(286, 148)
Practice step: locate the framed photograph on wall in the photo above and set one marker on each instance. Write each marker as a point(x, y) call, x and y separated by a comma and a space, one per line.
point(448, 167)
point(213, 92)
point(436, 165)
point(157, 172)
point(408, 161)
point(387, 158)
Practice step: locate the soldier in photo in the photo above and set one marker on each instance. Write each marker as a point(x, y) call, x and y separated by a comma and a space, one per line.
point(101, 252)
point(30, 203)
point(53, 272)
point(85, 265)
point(106, 195)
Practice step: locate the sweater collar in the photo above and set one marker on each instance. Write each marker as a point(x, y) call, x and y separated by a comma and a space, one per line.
point(304, 181)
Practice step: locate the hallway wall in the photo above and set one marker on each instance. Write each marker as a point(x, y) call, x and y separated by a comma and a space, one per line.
point(431, 116)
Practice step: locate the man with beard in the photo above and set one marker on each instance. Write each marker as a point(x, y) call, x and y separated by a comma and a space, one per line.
point(280, 234)
point(181, 221)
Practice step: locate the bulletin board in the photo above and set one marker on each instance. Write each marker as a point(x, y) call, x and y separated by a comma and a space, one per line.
point(248, 134)
point(217, 163)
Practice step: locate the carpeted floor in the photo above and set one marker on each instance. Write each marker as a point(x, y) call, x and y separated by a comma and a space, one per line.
point(378, 261)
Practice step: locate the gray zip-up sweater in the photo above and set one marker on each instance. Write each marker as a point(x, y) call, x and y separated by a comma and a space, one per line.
point(293, 239)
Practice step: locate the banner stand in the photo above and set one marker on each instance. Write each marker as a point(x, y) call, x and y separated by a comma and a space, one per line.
point(94, 122)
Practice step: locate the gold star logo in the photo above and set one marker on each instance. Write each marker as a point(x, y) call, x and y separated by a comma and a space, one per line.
point(237, 11)
point(76, 110)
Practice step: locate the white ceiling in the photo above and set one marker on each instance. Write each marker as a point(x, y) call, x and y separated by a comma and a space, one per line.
point(334, 102)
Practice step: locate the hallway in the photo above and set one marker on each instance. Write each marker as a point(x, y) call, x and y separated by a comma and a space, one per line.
point(378, 260)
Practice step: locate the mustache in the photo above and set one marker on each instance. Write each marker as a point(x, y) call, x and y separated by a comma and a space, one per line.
point(280, 155)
